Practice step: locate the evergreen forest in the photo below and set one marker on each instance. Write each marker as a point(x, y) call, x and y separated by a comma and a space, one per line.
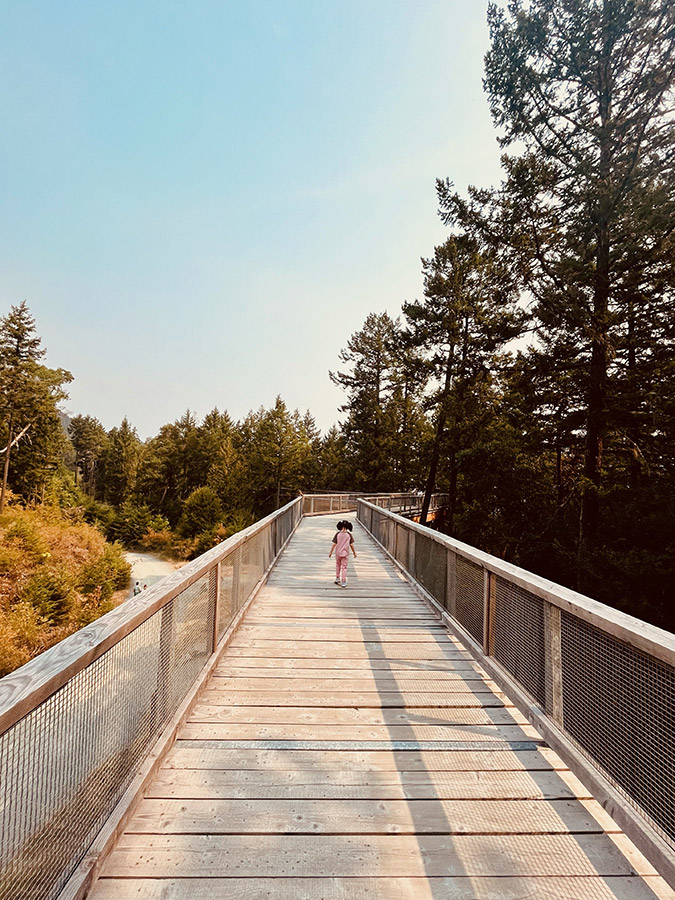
point(533, 378)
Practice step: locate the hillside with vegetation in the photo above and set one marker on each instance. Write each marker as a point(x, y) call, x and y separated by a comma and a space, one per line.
point(57, 574)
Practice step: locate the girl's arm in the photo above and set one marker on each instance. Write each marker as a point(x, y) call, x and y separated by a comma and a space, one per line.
point(353, 550)
point(332, 547)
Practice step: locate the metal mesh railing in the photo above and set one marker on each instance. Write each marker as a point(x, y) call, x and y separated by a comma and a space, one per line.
point(620, 712)
point(520, 637)
point(606, 680)
point(405, 504)
point(75, 731)
point(469, 596)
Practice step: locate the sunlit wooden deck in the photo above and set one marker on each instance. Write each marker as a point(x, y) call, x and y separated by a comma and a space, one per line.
point(348, 746)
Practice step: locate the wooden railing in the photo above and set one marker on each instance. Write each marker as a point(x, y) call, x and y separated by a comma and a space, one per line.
point(597, 683)
point(405, 504)
point(79, 723)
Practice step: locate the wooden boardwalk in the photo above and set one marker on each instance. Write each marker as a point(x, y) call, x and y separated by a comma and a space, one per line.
point(348, 747)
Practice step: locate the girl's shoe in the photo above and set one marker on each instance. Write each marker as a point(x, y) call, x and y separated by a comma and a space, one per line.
point(344, 584)
point(337, 581)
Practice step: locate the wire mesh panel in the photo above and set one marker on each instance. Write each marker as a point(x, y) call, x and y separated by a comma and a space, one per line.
point(469, 597)
point(186, 650)
point(520, 637)
point(226, 609)
point(366, 516)
point(387, 533)
point(250, 569)
point(619, 708)
point(376, 529)
point(283, 529)
point(402, 551)
point(430, 566)
point(67, 763)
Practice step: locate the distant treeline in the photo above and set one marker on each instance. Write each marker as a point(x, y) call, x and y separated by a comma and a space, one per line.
point(533, 380)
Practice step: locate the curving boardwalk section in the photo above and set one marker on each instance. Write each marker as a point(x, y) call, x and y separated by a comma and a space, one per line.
point(348, 747)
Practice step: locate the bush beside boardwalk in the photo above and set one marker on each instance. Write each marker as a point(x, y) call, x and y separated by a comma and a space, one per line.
point(57, 574)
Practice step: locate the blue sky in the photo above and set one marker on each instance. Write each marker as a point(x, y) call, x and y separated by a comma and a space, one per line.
point(201, 202)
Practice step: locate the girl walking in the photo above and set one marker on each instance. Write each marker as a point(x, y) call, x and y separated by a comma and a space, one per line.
point(342, 542)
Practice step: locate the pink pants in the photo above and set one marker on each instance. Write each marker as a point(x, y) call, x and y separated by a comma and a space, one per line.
point(341, 567)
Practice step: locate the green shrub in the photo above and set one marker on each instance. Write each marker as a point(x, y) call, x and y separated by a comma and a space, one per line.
point(26, 535)
point(49, 594)
point(201, 513)
point(129, 523)
point(107, 574)
point(11, 560)
point(162, 543)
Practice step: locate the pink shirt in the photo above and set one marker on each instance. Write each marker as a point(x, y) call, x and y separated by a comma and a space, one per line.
point(343, 540)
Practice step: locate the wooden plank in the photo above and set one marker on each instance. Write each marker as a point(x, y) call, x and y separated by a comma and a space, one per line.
point(356, 633)
point(465, 681)
point(348, 667)
point(345, 617)
point(214, 817)
point(215, 755)
point(370, 699)
point(629, 887)
point(240, 731)
point(332, 649)
point(419, 856)
point(345, 784)
point(364, 674)
point(209, 712)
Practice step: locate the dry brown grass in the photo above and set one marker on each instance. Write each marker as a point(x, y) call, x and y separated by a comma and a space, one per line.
point(57, 574)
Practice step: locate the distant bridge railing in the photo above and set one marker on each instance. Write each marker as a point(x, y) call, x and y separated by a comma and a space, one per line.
point(78, 722)
point(598, 684)
point(405, 504)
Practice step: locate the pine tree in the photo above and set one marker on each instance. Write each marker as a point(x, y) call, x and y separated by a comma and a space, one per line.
point(368, 381)
point(121, 463)
point(29, 394)
point(90, 442)
point(467, 316)
point(582, 90)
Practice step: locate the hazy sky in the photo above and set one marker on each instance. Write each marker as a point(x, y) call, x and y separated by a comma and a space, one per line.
point(202, 201)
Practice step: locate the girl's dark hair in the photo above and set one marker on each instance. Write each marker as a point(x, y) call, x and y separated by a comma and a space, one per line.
point(348, 525)
point(339, 525)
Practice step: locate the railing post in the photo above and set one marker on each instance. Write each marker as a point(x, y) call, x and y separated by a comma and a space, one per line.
point(236, 574)
point(489, 599)
point(215, 573)
point(554, 663)
point(451, 583)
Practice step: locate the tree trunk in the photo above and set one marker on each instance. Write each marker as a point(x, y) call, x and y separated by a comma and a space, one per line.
point(433, 467)
point(634, 467)
point(452, 494)
point(597, 387)
point(5, 473)
point(440, 429)
point(597, 393)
